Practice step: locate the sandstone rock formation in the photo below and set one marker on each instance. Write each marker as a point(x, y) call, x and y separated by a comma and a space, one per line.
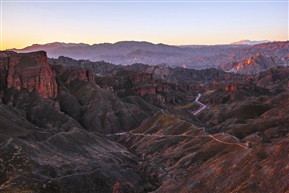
point(28, 71)
point(252, 65)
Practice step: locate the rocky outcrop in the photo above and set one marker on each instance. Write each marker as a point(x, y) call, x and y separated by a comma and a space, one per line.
point(141, 77)
point(29, 71)
point(97, 109)
point(231, 87)
point(70, 74)
point(141, 91)
point(252, 65)
point(143, 83)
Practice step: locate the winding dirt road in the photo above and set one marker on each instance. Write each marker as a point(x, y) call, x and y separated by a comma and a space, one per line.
point(201, 104)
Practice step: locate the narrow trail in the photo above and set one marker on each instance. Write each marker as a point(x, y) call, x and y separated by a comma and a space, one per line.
point(228, 143)
point(246, 146)
point(184, 135)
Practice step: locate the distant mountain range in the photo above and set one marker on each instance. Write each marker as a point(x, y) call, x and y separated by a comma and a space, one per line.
point(194, 56)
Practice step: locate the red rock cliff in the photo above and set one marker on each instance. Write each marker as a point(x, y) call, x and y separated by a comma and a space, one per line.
point(231, 87)
point(29, 71)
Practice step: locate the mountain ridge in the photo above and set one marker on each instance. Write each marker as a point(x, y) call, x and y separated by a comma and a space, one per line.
point(130, 52)
point(245, 41)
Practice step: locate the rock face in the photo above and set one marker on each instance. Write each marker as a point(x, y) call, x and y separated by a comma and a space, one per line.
point(70, 74)
point(252, 65)
point(231, 87)
point(138, 78)
point(157, 92)
point(28, 71)
point(143, 83)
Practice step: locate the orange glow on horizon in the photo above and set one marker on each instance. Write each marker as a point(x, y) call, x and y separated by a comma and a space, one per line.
point(24, 24)
point(22, 43)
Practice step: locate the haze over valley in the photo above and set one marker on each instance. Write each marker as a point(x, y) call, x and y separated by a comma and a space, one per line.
point(225, 57)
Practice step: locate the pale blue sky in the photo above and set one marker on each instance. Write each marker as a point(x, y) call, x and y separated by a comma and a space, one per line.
point(169, 22)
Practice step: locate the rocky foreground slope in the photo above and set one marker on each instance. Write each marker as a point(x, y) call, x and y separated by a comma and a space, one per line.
point(50, 141)
point(242, 148)
point(64, 129)
point(185, 158)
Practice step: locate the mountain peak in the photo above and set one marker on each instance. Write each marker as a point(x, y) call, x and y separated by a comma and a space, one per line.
point(250, 42)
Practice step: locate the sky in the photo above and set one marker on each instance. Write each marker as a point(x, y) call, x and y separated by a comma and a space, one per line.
point(183, 22)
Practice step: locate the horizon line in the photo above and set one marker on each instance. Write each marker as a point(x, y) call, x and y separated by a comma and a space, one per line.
point(144, 41)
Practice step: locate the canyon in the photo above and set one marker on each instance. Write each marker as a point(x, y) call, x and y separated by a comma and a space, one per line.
point(71, 125)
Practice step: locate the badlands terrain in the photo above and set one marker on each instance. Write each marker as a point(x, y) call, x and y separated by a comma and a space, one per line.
point(84, 125)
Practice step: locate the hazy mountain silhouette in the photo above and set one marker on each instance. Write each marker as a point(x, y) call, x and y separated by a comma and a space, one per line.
point(129, 52)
